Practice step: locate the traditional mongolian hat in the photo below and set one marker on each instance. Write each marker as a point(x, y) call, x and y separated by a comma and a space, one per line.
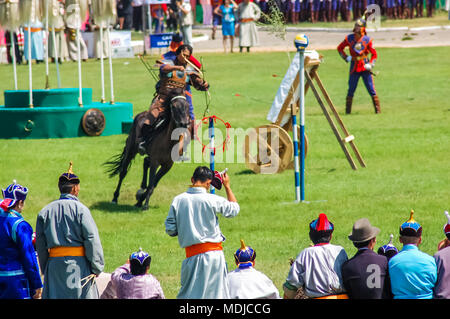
point(69, 177)
point(363, 231)
point(411, 227)
point(140, 258)
point(321, 225)
point(362, 22)
point(388, 250)
point(12, 194)
point(244, 256)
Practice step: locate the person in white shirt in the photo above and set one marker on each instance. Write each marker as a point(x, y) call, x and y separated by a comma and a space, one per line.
point(187, 20)
point(245, 282)
point(193, 217)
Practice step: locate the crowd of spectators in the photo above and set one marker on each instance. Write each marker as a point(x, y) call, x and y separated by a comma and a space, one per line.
point(70, 254)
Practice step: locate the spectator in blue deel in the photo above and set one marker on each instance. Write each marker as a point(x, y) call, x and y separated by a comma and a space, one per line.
point(19, 270)
point(413, 273)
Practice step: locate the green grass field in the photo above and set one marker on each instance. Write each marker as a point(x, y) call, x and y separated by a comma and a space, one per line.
point(405, 148)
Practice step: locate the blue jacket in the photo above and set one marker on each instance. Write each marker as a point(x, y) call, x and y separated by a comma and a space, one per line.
point(413, 274)
point(17, 255)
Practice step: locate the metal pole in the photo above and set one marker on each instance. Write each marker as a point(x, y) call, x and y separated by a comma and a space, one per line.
point(211, 154)
point(13, 54)
point(80, 85)
point(30, 75)
point(110, 62)
point(102, 68)
point(47, 84)
point(56, 46)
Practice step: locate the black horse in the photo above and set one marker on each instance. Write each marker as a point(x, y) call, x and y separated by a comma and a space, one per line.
point(166, 144)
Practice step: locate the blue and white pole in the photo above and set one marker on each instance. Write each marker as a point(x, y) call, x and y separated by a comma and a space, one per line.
point(301, 41)
point(212, 148)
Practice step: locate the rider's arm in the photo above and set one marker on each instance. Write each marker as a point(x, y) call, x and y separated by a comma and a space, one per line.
point(166, 68)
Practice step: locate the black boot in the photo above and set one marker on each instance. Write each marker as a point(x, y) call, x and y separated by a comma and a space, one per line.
point(146, 132)
point(348, 105)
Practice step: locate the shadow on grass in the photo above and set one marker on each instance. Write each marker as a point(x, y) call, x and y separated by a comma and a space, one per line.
point(118, 208)
point(246, 172)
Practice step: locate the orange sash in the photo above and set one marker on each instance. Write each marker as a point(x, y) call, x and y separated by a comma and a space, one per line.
point(202, 248)
point(341, 296)
point(63, 251)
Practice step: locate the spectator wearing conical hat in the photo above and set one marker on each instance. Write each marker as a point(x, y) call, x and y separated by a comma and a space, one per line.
point(68, 244)
point(19, 270)
point(365, 275)
point(388, 250)
point(317, 269)
point(133, 279)
point(413, 273)
point(245, 282)
point(442, 258)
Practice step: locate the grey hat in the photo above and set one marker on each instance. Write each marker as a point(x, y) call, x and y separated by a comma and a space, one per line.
point(363, 231)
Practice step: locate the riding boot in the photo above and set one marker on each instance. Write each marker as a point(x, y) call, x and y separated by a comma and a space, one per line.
point(146, 132)
point(348, 105)
point(376, 104)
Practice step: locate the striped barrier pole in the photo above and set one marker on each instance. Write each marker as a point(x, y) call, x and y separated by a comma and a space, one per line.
point(212, 149)
point(301, 42)
point(296, 159)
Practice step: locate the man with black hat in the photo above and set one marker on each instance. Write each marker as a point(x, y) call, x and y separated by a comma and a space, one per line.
point(413, 273)
point(193, 217)
point(365, 275)
point(68, 244)
point(317, 269)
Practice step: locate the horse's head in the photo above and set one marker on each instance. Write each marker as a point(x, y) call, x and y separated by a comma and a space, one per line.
point(179, 109)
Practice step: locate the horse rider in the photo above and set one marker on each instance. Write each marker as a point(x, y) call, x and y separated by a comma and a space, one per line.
point(360, 45)
point(174, 76)
point(177, 41)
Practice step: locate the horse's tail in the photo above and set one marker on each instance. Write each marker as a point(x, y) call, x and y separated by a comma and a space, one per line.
point(121, 163)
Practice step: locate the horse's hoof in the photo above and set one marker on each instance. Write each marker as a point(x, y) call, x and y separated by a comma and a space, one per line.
point(138, 204)
point(114, 201)
point(145, 207)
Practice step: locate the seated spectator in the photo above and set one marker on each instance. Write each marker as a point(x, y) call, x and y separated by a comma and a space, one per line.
point(446, 241)
point(388, 250)
point(316, 272)
point(442, 258)
point(413, 273)
point(132, 280)
point(365, 275)
point(245, 282)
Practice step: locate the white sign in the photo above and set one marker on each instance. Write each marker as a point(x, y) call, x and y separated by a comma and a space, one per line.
point(121, 46)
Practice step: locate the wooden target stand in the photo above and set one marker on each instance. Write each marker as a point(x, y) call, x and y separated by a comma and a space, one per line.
point(269, 160)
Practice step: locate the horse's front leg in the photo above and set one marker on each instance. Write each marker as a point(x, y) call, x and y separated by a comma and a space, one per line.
point(154, 180)
point(142, 192)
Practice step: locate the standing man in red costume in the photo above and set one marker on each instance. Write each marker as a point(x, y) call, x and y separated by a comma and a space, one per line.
point(360, 45)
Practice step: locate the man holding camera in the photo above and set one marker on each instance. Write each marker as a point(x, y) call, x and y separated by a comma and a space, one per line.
point(193, 217)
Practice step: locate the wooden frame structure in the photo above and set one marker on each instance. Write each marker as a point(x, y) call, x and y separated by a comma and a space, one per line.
point(291, 107)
